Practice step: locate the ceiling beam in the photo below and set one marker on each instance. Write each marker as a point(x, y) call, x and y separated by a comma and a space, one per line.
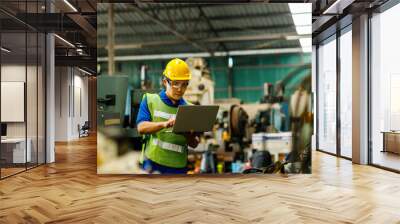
point(212, 18)
point(204, 54)
point(202, 14)
point(205, 4)
point(264, 29)
point(272, 36)
point(170, 29)
point(277, 36)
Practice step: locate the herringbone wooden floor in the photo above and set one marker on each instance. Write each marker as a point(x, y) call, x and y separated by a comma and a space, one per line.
point(70, 191)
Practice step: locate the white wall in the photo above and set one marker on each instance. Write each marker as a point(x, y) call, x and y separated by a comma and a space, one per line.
point(33, 127)
point(61, 103)
point(16, 73)
point(10, 73)
point(71, 93)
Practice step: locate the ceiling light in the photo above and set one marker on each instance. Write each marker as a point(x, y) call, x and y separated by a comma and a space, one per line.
point(64, 40)
point(5, 49)
point(70, 5)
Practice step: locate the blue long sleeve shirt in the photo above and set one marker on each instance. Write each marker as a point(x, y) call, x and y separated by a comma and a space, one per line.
point(144, 112)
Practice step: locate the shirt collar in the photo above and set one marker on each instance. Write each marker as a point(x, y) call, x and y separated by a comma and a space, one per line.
point(168, 101)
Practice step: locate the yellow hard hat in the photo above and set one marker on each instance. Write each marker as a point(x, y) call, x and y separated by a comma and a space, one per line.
point(177, 69)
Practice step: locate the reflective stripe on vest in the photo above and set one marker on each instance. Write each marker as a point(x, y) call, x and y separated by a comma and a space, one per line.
point(163, 114)
point(168, 146)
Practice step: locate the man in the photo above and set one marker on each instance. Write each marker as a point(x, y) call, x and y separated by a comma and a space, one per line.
point(165, 152)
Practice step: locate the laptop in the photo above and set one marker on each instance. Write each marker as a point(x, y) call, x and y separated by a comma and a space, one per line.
point(195, 118)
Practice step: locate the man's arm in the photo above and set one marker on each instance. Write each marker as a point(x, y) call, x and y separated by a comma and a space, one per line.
point(149, 127)
point(144, 123)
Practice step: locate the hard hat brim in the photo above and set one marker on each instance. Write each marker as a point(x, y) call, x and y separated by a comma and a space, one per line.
point(188, 77)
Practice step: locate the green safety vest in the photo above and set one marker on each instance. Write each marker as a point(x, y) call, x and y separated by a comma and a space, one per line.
point(165, 148)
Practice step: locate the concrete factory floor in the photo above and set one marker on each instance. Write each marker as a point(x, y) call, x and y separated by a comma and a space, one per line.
point(70, 191)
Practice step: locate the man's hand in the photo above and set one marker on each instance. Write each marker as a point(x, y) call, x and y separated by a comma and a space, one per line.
point(169, 123)
point(149, 127)
point(192, 139)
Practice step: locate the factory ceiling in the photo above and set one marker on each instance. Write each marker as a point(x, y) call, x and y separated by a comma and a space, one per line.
point(145, 28)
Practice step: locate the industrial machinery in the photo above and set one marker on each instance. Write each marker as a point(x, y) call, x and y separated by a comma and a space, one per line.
point(111, 99)
point(283, 127)
point(238, 122)
point(117, 106)
point(302, 128)
point(277, 144)
point(296, 144)
point(272, 119)
point(276, 117)
point(201, 87)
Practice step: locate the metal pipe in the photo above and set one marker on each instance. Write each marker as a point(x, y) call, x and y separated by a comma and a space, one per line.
point(277, 36)
point(204, 54)
point(111, 32)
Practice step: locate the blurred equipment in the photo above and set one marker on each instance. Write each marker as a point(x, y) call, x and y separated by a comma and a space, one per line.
point(208, 161)
point(277, 144)
point(201, 87)
point(238, 120)
point(111, 101)
point(119, 142)
point(271, 119)
point(302, 124)
point(114, 151)
point(261, 159)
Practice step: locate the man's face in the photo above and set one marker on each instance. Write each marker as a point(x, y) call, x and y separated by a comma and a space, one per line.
point(176, 88)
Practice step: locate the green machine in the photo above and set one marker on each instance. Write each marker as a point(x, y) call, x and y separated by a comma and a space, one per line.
point(117, 107)
point(113, 107)
point(112, 93)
